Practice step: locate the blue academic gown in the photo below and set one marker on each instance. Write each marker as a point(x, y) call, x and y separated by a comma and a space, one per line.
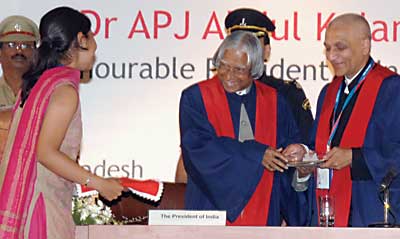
point(380, 152)
point(223, 172)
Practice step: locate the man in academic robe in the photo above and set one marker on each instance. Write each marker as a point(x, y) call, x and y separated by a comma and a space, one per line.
point(252, 20)
point(232, 132)
point(256, 22)
point(357, 128)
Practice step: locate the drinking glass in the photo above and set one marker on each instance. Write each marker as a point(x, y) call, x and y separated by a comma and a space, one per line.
point(326, 211)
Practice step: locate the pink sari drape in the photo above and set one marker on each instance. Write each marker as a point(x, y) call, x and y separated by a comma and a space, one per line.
point(17, 186)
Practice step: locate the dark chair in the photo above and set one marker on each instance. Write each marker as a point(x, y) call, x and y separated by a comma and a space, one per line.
point(134, 209)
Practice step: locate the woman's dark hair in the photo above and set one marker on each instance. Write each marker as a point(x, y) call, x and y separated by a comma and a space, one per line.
point(58, 30)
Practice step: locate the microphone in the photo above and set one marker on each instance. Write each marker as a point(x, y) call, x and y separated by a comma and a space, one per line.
point(387, 180)
point(384, 189)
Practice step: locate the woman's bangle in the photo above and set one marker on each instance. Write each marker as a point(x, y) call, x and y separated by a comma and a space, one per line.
point(87, 181)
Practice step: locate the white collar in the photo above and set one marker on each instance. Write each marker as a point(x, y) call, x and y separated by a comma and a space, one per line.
point(348, 81)
point(244, 91)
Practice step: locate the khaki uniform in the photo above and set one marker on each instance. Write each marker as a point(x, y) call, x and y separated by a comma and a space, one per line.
point(7, 100)
point(7, 97)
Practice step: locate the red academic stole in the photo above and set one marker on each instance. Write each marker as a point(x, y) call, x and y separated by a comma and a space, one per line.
point(256, 211)
point(353, 135)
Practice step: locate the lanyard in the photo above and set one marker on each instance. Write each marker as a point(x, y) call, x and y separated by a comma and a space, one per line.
point(335, 122)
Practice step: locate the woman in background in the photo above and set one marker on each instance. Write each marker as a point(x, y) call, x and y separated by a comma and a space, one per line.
point(38, 170)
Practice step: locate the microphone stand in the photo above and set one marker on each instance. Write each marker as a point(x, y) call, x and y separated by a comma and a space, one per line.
point(386, 208)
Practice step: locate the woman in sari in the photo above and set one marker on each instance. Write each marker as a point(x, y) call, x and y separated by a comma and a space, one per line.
point(38, 170)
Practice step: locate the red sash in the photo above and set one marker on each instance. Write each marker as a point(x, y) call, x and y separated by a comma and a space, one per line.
point(256, 211)
point(353, 135)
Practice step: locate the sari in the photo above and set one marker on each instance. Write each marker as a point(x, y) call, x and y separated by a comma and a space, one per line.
point(22, 198)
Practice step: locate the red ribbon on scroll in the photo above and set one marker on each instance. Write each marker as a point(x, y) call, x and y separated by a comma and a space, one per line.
point(148, 189)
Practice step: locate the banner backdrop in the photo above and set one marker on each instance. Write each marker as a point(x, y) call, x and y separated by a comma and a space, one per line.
point(149, 51)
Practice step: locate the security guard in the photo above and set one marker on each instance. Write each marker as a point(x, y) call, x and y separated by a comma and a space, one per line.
point(18, 38)
point(257, 22)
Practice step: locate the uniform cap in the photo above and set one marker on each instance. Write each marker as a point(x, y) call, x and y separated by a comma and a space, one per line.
point(18, 28)
point(249, 20)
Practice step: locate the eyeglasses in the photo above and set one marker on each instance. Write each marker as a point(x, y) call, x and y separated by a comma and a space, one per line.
point(20, 45)
point(224, 67)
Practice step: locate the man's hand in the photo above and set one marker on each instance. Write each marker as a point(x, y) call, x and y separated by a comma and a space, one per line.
point(274, 160)
point(338, 158)
point(295, 152)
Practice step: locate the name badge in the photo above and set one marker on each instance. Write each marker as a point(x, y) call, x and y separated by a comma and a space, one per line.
point(323, 178)
point(187, 217)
